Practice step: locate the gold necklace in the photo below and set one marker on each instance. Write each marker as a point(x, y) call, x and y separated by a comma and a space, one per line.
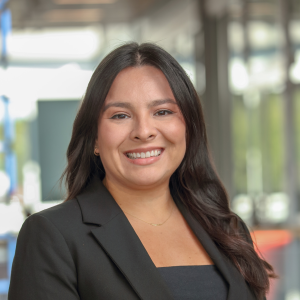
point(153, 224)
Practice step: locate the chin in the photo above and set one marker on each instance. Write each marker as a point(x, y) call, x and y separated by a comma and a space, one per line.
point(145, 181)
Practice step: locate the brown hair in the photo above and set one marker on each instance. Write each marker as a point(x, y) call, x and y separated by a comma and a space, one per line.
point(195, 182)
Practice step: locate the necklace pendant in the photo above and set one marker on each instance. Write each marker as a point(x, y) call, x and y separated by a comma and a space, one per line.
point(153, 224)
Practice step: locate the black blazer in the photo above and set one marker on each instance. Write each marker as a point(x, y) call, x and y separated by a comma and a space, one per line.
point(86, 249)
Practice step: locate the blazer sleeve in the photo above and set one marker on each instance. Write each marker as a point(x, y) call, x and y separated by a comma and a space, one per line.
point(43, 267)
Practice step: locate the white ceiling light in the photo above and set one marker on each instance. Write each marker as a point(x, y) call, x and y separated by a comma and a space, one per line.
point(55, 44)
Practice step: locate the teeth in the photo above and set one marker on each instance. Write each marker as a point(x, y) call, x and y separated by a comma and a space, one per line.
point(144, 155)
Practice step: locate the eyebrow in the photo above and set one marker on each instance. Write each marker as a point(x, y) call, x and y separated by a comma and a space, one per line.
point(130, 106)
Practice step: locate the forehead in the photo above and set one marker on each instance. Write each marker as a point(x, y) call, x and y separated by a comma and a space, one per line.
point(139, 84)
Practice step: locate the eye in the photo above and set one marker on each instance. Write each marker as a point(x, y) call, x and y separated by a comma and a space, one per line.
point(163, 112)
point(119, 116)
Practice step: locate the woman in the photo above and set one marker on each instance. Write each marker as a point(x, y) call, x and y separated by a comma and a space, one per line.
point(146, 216)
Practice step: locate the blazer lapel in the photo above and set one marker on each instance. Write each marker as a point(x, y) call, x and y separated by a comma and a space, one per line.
point(119, 240)
point(117, 237)
point(238, 289)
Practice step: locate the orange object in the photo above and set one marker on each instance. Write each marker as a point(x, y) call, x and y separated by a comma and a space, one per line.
point(268, 239)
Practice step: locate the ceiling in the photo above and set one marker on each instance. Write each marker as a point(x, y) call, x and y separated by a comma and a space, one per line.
point(66, 13)
point(61, 13)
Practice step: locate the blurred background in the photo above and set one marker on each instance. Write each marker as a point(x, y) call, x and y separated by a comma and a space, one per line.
point(243, 57)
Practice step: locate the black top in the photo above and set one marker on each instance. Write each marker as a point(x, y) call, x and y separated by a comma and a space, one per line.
point(195, 282)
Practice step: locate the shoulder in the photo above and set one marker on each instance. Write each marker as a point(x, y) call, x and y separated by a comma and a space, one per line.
point(63, 217)
point(63, 211)
point(43, 258)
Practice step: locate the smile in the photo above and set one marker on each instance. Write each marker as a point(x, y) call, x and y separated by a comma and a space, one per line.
point(152, 153)
point(144, 156)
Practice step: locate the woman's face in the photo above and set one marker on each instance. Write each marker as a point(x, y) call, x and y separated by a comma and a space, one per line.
point(140, 119)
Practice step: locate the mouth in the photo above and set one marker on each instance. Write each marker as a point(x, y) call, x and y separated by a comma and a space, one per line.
point(147, 153)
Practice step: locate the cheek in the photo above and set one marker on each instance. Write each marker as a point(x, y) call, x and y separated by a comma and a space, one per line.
point(175, 133)
point(109, 136)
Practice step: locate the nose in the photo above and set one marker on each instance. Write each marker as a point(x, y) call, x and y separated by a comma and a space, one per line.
point(143, 129)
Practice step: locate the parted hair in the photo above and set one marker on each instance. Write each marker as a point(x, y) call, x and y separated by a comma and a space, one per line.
point(195, 182)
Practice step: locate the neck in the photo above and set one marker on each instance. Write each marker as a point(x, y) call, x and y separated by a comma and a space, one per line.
point(151, 203)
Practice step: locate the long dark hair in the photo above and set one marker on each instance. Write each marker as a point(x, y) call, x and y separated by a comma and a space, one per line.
point(195, 182)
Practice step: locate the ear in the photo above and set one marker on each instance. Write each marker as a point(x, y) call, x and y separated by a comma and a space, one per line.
point(96, 150)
